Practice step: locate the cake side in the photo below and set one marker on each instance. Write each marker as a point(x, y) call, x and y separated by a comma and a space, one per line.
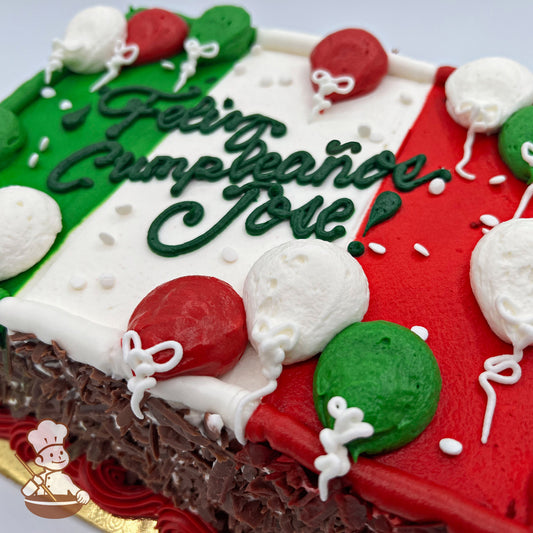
point(196, 467)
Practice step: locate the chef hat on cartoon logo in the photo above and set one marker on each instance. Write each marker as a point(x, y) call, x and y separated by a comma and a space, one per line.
point(48, 433)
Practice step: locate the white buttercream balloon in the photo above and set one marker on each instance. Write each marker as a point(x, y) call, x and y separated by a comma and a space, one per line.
point(501, 274)
point(297, 297)
point(484, 93)
point(29, 223)
point(89, 42)
point(309, 288)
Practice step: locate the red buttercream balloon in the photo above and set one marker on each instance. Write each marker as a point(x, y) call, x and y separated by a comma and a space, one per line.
point(352, 52)
point(205, 315)
point(158, 34)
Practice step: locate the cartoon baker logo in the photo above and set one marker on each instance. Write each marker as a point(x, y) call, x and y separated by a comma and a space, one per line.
point(51, 493)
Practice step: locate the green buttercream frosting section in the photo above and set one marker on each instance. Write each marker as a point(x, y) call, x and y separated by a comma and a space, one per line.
point(12, 136)
point(517, 130)
point(41, 117)
point(229, 26)
point(389, 373)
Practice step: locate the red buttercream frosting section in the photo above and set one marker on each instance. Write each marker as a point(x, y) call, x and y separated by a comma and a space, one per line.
point(107, 484)
point(486, 488)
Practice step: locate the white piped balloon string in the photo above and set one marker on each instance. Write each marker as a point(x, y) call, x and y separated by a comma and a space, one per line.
point(55, 62)
point(348, 426)
point(480, 122)
point(527, 156)
point(273, 343)
point(494, 366)
point(141, 362)
point(195, 51)
point(122, 55)
point(327, 85)
point(467, 154)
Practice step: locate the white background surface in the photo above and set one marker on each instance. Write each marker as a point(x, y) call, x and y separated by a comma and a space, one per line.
point(448, 32)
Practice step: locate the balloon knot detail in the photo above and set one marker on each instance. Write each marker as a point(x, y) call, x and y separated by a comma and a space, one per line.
point(122, 55)
point(195, 51)
point(482, 119)
point(55, 61)
point(272, 345)
point(327, 85)
point(142, 364)
point(348, 426)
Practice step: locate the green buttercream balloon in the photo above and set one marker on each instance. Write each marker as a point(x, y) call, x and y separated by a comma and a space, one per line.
point(12, 136)
point(229, 26)
point(389, 373)
point(517, 130)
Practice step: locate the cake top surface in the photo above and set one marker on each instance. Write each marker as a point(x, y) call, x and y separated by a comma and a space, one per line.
point(392, 303)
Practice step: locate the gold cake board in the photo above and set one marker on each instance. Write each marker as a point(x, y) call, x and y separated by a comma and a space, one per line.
point(91, 513)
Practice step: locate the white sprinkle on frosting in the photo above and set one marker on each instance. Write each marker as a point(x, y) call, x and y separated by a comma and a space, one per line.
point(107, 281)
point(107, 239)
point(364, 131)
point(376, 137)
point(44, 143)
point(33, 160)
point(229, 255)
point(450, 446)
point(48, 92)
point(406, 99)
point(489, 220)
point(436, 186)
point(377, 248)
point(485, 230)
point(77, 282)
point(285, 81)
point(124, 209)
point(266, 81)
point(421, 249)
point(239, 69)
point(498, 180)
point(65, 105)
point(167, 65)
point(421, 331)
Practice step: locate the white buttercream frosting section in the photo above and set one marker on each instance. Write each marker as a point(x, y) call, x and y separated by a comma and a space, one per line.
point(206, 394)
point(84, 341)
